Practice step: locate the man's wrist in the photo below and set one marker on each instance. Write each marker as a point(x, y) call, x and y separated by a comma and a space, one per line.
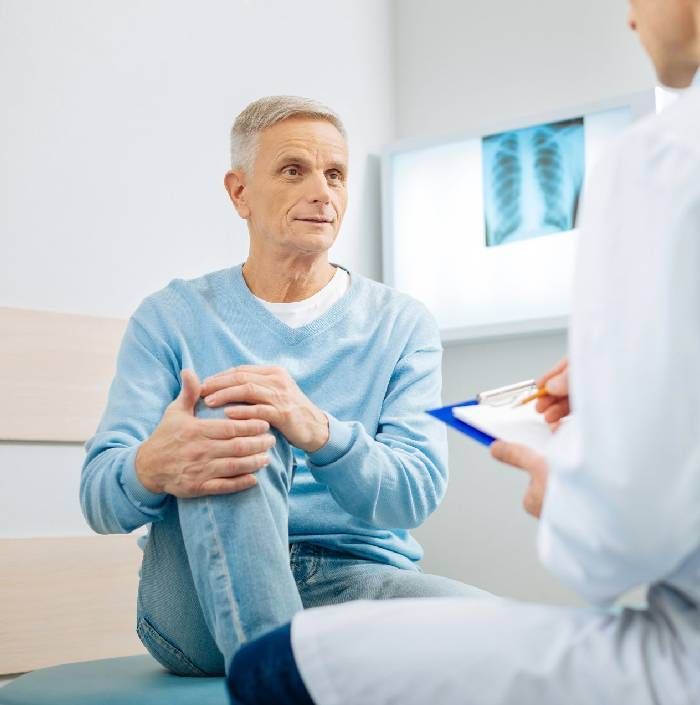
point(321, 433)
point(140, 465)
point(133, 485)
point(341, 437)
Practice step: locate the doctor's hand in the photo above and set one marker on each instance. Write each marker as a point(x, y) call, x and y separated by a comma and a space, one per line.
point(191, 457)
point(269, 393)
point(531, 462)
point(555, 404)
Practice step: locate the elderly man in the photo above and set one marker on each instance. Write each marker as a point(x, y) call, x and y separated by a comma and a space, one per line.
point(290, 475)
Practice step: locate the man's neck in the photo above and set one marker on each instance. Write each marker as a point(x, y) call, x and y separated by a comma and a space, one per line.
point(289, 279)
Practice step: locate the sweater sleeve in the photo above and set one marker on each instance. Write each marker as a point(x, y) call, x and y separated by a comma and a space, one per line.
point(398, 477)
point(147, 379)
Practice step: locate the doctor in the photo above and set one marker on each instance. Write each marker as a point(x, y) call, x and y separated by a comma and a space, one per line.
point(618, 494)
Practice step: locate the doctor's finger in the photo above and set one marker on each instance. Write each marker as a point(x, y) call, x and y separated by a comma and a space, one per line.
point(561, 366)
point(517, 455)
point(532, 500)
point(543, 403)
point(557, 411)
point(558, 385)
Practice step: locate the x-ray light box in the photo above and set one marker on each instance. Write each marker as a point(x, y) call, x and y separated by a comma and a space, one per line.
point(482, 229)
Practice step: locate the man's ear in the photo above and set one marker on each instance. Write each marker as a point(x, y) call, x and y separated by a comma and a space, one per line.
point(235, 185)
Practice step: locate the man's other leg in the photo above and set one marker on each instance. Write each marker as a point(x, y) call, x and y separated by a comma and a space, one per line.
point(340, 577)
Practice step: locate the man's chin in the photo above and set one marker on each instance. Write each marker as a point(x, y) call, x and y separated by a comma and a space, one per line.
point(312, 240)
point(313, 230)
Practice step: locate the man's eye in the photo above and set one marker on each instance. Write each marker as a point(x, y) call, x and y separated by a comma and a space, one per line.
point(291, 171)
point(335, 176)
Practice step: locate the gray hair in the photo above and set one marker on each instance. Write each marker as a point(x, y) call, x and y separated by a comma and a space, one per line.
point(264, 113)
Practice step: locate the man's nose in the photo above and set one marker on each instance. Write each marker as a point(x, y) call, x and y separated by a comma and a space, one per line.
point(319, 190)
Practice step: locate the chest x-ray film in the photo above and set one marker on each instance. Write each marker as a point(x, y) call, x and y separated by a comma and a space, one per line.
point(483, 229)
point(532, 180)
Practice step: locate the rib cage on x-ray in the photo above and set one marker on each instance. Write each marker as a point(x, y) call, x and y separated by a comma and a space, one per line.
point(532, 180)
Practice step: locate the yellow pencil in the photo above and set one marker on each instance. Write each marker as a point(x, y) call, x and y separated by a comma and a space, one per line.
point(539, 393)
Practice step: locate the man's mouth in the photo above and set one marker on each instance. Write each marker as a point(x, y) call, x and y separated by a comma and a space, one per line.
point(316, 220)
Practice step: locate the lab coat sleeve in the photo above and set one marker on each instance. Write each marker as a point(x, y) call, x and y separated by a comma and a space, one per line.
point(622, 507)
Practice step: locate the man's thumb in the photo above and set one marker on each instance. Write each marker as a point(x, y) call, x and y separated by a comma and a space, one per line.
point(189, 392)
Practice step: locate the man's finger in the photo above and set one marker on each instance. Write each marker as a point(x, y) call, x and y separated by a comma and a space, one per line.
point(233, 467)
point(233, 379)
point(519, 456)
point(259, 369)
point(248, 392)
point(228, 485)
point(251, 411)
point(222, 429)
point(189, 391)
point(242, 446)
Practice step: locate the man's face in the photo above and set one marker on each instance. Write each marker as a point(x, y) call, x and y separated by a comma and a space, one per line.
point(668, 31)
point(296, 194)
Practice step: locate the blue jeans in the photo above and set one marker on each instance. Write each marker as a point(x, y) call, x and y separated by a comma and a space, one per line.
point(219, 572)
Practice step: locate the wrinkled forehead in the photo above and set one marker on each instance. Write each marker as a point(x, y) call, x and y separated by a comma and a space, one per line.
point(314, 139)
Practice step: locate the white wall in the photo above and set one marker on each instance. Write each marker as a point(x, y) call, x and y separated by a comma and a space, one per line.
point(460, 65)
point(113, 147)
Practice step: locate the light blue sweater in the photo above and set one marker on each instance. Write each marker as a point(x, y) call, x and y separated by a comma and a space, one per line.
point(372, 362)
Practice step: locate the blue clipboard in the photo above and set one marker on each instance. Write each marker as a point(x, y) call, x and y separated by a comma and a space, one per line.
point(445, 415)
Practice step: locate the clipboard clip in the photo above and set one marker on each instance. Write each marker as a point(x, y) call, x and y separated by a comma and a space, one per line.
point(508, 395)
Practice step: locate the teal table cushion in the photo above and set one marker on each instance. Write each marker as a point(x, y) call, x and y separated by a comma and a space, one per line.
point(134, 680)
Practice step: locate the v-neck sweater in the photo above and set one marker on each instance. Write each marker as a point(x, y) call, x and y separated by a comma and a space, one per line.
point(371, 362)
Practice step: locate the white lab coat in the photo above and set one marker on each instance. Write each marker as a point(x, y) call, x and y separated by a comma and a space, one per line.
point(623, 502)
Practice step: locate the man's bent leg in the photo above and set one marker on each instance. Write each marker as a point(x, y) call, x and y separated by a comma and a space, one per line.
point(177, 617)
point(238, 552)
